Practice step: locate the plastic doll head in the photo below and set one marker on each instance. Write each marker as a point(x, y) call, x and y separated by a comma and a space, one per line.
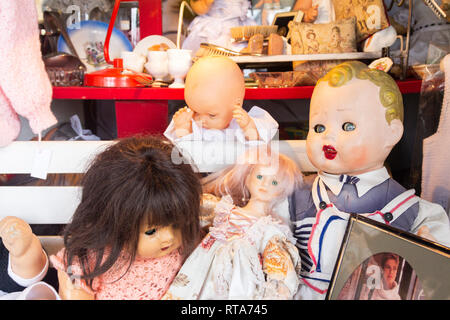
point(214, 86)
point(355, 119)
point(258, 166)
point(135, 200)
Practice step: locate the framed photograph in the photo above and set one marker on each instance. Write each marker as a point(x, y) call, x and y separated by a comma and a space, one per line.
point(282, 20)
point(379, 262)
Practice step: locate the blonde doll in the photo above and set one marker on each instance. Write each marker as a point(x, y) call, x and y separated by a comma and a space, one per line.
point(248, 252)
point(137, 220)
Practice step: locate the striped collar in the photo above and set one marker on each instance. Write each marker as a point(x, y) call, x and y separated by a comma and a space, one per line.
point(366, 182)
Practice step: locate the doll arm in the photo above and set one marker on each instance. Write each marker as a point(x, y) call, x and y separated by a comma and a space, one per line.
point(27, 258)
point(308, 9)
point(201, 6)
point(432, 223)
point(246, 123)
point(69, 291)
point(181, 124)
point(71, 287)
point(266, 126)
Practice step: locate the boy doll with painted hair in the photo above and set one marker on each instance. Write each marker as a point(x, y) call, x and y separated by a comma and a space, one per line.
point(355, 120)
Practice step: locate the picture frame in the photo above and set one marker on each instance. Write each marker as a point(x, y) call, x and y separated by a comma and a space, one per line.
point(282, 20)
point(372, 251)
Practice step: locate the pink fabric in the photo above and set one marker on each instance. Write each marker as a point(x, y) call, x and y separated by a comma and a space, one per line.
point(25, 86)
point(147, 278)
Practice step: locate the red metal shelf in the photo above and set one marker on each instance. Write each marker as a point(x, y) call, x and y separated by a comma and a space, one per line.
point(95, 93)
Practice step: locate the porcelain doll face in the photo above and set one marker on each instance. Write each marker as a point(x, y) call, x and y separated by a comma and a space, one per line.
point(263, 183)
point(157, 241)
point(348, 131)
point(214, 87)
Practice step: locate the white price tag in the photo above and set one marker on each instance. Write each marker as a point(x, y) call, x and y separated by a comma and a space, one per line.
point(41, 163)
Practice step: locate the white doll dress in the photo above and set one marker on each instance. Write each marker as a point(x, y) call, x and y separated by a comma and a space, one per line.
point(228, 264)
point(214, 26)
point(266, 126)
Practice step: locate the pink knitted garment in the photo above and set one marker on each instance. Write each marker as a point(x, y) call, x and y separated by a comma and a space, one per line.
point(147, 278)
point(25, 86)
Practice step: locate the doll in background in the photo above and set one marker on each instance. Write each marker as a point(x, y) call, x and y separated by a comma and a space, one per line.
point(214, 92)
point(23, 261)
point(214, 20)
point(248, 252)
point(137, 221)
point(348, 142)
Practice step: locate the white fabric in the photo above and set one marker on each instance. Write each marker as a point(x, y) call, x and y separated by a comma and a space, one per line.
point(229, 267)
point(436, 158)
point(325, 11)
point(366, 181)
point(265, 125)
point(214, 26)
point(84, 134)
point(37, 291)
point(433, 216)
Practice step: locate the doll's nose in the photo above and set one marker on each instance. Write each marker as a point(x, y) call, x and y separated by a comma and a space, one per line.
point(166, 235)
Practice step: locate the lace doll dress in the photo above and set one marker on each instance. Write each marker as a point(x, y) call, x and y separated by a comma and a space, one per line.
point(242, 257)
point(214, 26)
point(146, 279)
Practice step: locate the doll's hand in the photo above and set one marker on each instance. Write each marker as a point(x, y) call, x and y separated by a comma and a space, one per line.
point(26, 255)
point(311, 14)
point(182, 120)
point(201, 7)
point(16, 235)
point(69, 291)
point(246, 123)
point(424, 232)
point(241, 116)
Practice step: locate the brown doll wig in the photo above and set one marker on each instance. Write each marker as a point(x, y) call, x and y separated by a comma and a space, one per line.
point(132, 182)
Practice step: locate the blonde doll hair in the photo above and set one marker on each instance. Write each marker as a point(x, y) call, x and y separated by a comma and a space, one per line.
point(232, 180)
point(390, 95)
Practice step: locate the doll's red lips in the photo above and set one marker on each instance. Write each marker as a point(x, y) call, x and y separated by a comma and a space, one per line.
point(330, 152)
point(165, 248)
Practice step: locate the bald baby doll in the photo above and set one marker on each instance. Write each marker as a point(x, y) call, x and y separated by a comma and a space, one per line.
point(214, 93)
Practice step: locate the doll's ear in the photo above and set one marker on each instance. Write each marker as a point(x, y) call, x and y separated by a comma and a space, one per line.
point(395, 133)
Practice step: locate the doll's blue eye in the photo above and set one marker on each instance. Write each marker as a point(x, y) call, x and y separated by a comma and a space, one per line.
point(319, 128)
point(274, 182)
point(259, 177)
point(348, 126)
point(150, 232)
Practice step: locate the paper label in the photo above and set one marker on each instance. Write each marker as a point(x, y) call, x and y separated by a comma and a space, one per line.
point(41, 163)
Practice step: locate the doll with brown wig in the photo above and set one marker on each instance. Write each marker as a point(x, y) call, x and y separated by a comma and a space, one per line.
point(137, 220)
point(248, 252)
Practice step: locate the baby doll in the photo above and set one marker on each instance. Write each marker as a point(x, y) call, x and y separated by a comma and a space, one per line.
point(137, 220)
point(248, 253)
point(23, 262)
point(214, 92)
point(214, 20)
point(355, 120)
